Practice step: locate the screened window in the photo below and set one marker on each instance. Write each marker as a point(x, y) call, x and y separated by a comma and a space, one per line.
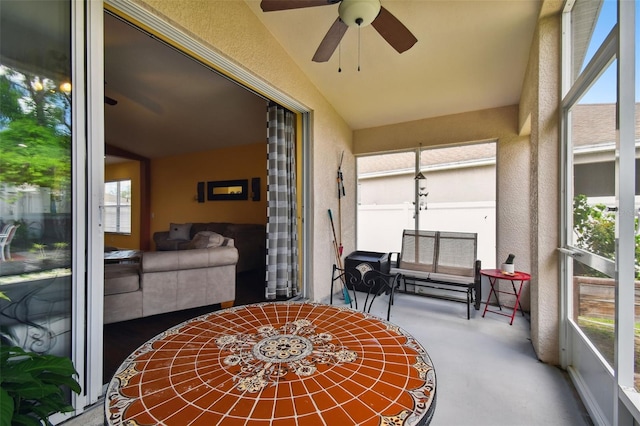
point(117, 206)
point(391, 199)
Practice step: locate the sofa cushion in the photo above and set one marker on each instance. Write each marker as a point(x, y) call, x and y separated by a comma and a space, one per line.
point(162, 261)
point(121, 278)
point(179, 231)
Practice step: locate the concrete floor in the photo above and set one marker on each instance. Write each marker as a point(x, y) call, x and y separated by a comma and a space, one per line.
point(487, 372)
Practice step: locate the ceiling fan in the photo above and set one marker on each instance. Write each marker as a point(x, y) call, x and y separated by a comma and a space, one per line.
point(352, 13)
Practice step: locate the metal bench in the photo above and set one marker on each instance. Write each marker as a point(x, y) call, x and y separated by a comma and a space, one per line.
point(440, 264)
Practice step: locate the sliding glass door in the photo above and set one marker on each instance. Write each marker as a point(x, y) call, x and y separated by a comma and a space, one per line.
point(36, 184)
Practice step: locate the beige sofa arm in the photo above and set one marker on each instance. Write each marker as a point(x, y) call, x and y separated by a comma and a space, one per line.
point(162, 261)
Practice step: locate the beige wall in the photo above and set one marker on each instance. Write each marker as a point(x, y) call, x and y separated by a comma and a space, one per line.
point(231, 29)
point(454, 129)
point(544, 83)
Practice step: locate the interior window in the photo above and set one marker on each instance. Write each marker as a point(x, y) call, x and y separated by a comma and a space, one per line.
point(117, 206)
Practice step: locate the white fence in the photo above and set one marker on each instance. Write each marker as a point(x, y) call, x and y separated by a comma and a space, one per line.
point(380, 226)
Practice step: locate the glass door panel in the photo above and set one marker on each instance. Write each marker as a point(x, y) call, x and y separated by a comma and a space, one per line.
point(35, 176)
point(593, 141)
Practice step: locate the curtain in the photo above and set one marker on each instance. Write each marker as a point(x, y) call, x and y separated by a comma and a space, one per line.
point(282, 229)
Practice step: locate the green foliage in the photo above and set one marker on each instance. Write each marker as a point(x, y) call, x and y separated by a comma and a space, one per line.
point(9, 101)
point(32, 154)
point(595, 229)
point(31, 386)
point(34, 132)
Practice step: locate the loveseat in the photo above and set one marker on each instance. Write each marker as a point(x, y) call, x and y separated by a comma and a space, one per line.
point(170, 281)
point(249, 239)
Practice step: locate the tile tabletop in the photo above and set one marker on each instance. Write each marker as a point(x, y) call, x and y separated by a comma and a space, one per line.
point(281, 363)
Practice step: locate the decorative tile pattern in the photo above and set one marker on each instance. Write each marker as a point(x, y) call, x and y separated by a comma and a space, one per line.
point(276, 364)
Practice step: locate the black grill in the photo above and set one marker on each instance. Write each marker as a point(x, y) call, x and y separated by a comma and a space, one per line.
point(359, 262)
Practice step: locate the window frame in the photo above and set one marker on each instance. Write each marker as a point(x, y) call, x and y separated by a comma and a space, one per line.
point(118, 207)
point(619, 45)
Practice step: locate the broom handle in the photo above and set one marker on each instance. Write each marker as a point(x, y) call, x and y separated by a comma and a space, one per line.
point(335, 245)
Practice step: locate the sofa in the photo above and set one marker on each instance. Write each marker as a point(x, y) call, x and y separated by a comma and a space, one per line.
point(249, 239)
point(170, 281)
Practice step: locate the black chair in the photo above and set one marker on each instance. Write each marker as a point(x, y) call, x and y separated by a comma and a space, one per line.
point(373, 282)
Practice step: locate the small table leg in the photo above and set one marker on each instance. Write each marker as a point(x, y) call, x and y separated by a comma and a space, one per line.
point(517, 305)
point(492, 282)
point(517, 293)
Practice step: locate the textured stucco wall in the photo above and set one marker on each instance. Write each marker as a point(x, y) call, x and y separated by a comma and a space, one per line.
point(544, 82)
point(513, 215)
point(232, 30)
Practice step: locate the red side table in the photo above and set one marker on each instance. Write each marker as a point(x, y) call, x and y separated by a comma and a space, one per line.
point(496, 274)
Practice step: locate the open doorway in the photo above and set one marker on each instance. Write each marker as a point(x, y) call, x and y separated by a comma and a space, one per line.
point(196, 130)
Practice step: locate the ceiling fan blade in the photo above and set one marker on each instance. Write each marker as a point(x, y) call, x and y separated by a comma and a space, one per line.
point(330, 41)
point(393, 31)
point(273, 5)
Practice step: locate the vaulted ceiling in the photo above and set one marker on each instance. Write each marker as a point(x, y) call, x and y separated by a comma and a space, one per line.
point(470, 55)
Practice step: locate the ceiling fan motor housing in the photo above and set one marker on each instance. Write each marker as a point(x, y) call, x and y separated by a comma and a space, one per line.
point(358, 12)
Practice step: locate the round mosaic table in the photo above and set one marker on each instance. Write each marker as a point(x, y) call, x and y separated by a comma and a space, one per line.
point(276, 364)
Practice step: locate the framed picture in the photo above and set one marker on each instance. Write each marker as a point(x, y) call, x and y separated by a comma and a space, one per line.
point(228, 190)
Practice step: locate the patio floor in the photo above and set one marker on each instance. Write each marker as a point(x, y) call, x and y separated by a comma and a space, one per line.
point(487, 372)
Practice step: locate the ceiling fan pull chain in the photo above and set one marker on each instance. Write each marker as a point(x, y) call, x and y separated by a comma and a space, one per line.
point(340, 57)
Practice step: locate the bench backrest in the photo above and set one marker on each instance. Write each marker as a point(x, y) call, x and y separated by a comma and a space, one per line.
point(442, 252)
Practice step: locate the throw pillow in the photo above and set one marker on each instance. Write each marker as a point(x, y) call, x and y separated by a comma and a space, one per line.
point(207, 239)
point(215, 240)
point(199, 241)
point(179, 231)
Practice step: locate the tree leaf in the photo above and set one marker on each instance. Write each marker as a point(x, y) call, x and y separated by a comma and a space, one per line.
point(6, 408)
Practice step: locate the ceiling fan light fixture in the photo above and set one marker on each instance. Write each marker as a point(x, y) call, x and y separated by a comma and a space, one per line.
point(358, 13)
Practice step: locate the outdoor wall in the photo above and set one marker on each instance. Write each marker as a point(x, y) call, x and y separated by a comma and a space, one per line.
point(174, 183)
point(231, 29)
point(460, 199)
point(121, 171)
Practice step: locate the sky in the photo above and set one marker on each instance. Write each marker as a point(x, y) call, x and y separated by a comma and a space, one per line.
point(604, 90)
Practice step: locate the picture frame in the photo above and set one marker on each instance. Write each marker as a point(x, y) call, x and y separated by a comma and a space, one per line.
point(228, 190)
